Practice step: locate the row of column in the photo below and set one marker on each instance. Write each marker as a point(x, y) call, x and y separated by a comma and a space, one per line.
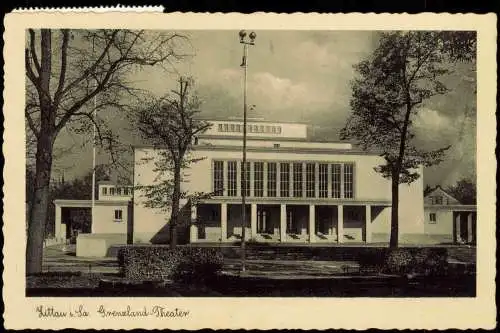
point(283, 215)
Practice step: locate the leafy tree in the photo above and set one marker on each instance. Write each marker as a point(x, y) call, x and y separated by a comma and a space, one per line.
point(404, 71)
point(464, 191)
point(171, 126)
point(65, 71)
point(427, 190)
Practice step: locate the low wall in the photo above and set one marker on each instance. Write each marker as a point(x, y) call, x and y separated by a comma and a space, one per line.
point(97, 245)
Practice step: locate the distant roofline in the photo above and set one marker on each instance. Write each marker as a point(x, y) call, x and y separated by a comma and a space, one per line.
point(300, 150)
point(254, 120)
point(270, 138)
point(442, 189)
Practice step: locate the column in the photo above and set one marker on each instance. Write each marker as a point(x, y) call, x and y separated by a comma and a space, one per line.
point(342, 181)
point(283, 223)
point(368, 224)
point(340, 224)
point(312, 224)
point(193, 229)
point(253, 219)
point(58, 227)
point(223, 222)
point(469, 227)
point(457, 228)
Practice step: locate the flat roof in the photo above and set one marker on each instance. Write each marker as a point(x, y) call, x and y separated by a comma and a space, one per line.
point(254, 120)
point(88, 203)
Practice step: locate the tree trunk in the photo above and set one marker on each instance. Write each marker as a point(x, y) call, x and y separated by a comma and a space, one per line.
point(38, 213)
point(174, 216)
point(393, 243)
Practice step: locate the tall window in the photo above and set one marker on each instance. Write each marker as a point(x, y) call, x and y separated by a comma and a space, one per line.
point(231, 179)
point(218, 177)
point(104, 191)
point(323, 180)
point(297, 180)
point(259, 179)
point(111, 191)
point(336, 181)
point(348, 180)
point(284, 179)
point(118, 215)
point(247, 180)
point(310, 180)
point(271, 179)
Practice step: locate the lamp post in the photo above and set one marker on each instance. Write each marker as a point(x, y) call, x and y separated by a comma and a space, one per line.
point(246, 42)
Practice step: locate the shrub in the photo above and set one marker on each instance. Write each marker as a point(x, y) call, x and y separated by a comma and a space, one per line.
point(399, 261)
point(431, 261)
point(371, 260)
point(159, 263)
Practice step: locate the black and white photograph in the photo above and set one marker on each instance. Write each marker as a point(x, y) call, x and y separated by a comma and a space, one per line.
point(248, 163)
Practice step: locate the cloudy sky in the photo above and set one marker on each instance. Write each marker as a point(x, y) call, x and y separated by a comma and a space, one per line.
point(301, 76)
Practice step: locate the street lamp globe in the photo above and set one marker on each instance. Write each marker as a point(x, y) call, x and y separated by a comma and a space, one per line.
point(252, 36)
point(242, 35)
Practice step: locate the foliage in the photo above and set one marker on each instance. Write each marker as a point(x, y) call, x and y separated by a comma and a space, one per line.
point(401, 261)
point(159, 263)
point(464, 191)
point(70, 76)
point(403, 72)
point(171, 125)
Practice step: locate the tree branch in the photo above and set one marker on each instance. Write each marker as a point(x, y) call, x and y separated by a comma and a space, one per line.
point(62, 74)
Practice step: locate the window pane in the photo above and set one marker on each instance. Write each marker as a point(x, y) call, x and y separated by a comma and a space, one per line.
point(323, 180)
point(246, 184)
point(231, 178)
point(259, 179)
point(297, 180)
point(336, 181)
point(284, 179)
point(218, 177)
point(104, 190)
point(310, 180)
point(271, 179)
point(348, 180)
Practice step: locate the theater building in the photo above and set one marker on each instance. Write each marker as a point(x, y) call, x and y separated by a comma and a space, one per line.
point(298, 190)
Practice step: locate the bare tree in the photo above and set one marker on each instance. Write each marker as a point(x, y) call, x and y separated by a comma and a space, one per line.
point(65, 71)
point(171, 126)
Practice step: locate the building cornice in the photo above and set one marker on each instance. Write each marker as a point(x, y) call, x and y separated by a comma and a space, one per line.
point(452, 207)
point(88, 203)
point(295, 150)
point(298, 201)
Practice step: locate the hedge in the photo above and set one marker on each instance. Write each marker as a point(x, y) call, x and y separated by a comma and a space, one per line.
point(421, 261)
point(160, 263)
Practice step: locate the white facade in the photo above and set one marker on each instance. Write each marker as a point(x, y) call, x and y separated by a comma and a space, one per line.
point(332, 193)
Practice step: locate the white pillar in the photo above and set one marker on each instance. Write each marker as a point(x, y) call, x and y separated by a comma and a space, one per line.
point(223, 222)
point(340, 223)
point(58, 226)
point(253, 219)
point(193, 235)
point(304, 175)
point(457, 228)
point(283, 223)
point(278, 179)
point(252, 182)
point(368, 224)
point(469, 227)
point(312, 224)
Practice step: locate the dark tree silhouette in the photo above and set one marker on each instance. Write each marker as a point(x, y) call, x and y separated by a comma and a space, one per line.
point(404, 70)
point(65, 70)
